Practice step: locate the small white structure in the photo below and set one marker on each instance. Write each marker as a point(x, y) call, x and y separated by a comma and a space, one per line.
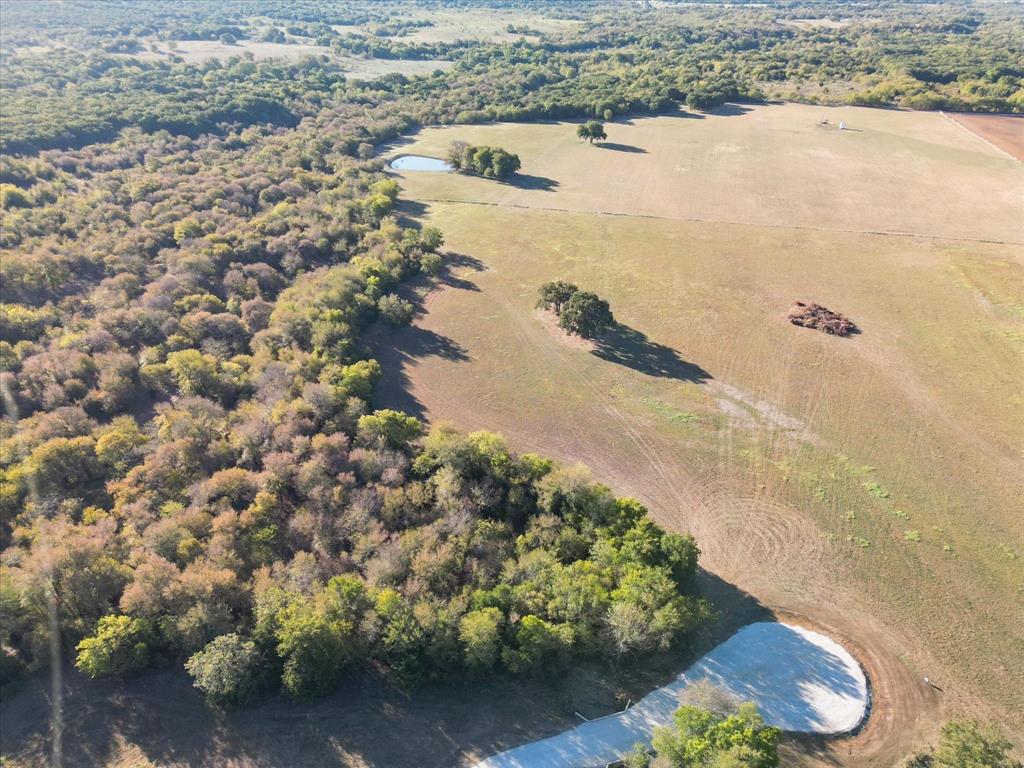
point(842, 126)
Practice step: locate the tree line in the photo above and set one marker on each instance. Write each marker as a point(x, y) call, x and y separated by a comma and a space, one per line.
point(621, 60)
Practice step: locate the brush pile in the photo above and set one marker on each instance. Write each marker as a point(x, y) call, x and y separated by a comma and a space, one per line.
point(820, 318)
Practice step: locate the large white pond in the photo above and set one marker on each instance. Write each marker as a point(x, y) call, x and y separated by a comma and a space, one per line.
point(801, 681)
point(419, 163)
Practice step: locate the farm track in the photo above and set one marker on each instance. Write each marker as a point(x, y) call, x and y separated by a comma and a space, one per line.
point(729, 222)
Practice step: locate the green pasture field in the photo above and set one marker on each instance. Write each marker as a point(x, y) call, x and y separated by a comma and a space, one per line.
point(873, 483)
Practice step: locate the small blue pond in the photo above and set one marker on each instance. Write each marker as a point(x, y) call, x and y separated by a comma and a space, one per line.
point(419, 163)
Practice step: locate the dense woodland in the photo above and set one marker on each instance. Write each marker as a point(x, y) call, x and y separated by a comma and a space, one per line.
point(190, 450)
point(193, 470)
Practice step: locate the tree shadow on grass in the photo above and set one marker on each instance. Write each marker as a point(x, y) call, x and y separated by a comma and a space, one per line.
point(616, 147)
point(397, 353)
point(631, 348)
point(526, 181)
point(410, 211)
point(680, 112)
point(729, 110)
point(398, 350)
point(448, 277)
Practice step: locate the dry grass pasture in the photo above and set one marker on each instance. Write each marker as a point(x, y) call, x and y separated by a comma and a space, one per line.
point(871, 484)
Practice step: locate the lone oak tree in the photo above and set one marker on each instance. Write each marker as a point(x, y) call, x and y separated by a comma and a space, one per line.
point(592, 130)
point(585, 314)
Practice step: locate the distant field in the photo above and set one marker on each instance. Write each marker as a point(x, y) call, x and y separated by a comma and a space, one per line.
point(812, 23)
point(377, 67)
point(871, 483)
point(202, 50)
point(891, 171)
point(1004, 131)
point(480, 24)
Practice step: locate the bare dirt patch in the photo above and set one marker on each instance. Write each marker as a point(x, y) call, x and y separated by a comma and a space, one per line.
point(550, 321)
point(1005, 132)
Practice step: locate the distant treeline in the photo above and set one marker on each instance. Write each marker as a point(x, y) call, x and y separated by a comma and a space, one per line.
point(618, 60)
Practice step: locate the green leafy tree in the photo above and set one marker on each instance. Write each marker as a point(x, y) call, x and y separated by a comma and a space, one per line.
point(187, 229)
point(701, 738)
point(971, 744)
point(316, 651)
point(431, 239)
point(121, 645)
point(490, 162)
point(119, 446)
point(395, 310)
point(227, 670)
point(555, 294)
point(585, 314)
point(592, 130)
point(401, 640)
point(391, 428)
point(648, 612)
point(638, 757)
point(195, 373)
point(355, 380)
point(540, 646)
point(64, 464)
point(480, 635)
point(579, 598)
point(320, 639)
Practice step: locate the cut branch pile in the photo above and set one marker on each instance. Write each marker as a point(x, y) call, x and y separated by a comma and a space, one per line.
point(820, 318)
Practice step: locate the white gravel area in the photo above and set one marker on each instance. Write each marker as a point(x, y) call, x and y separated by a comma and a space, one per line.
point(802, 681)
